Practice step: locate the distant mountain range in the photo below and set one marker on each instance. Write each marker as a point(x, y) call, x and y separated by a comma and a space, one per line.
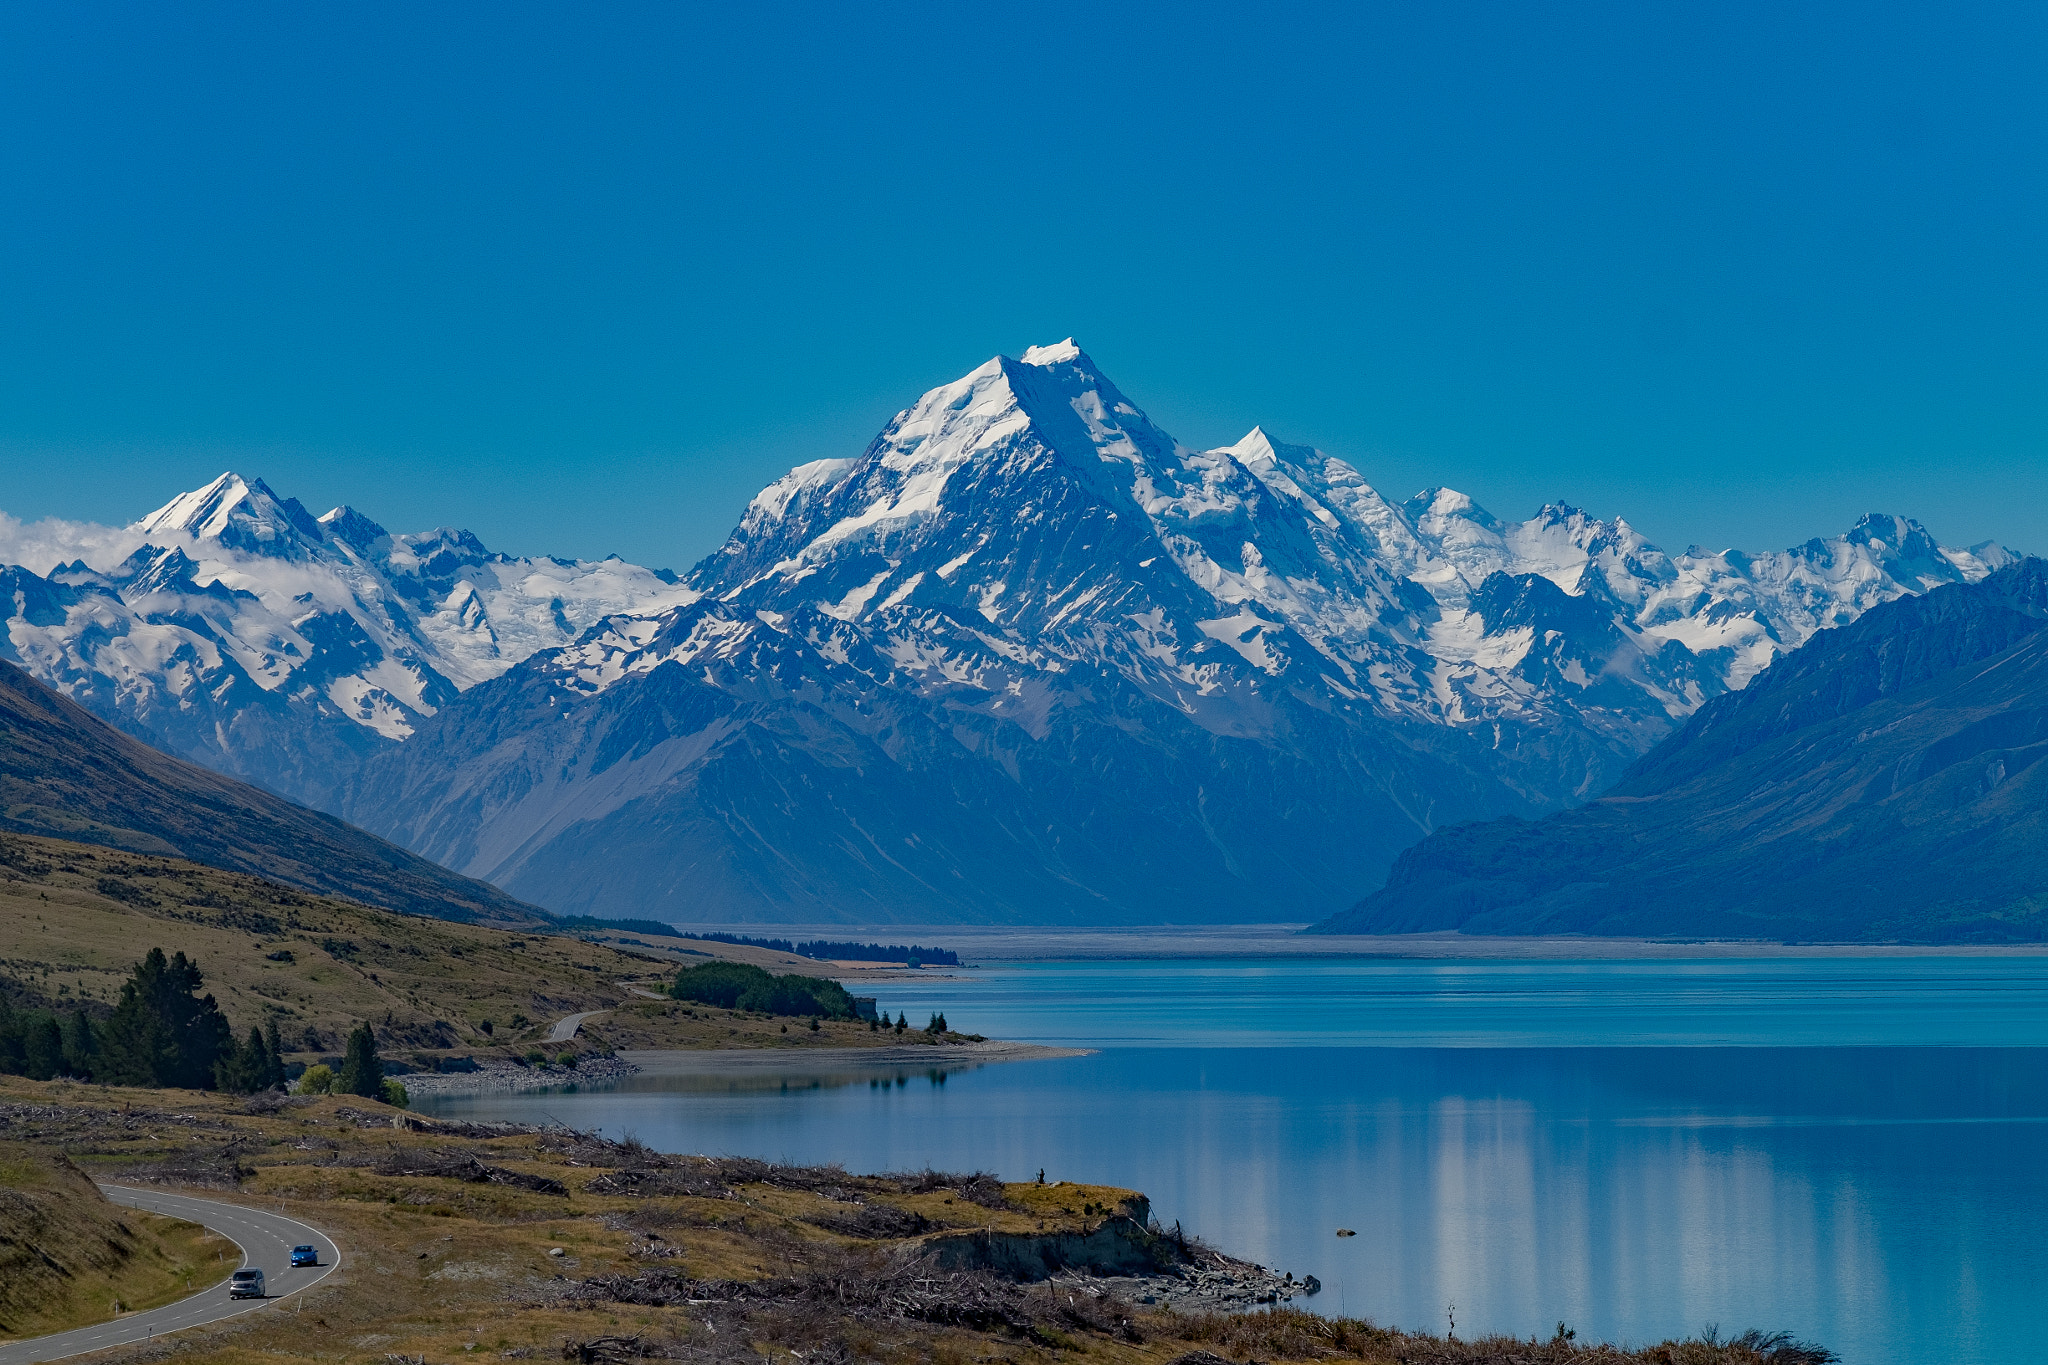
point(248, 635)
point(1883, 782)
point(1025, 659)
point(68, 775)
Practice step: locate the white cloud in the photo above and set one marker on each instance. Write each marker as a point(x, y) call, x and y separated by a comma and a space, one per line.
point(41, 546)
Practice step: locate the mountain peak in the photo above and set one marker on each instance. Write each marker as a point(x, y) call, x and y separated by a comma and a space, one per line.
point(1258, 444)
point(203, 510)
point(1445, 505)
point(1060, 353)
point(243, 514)
point(352, 528)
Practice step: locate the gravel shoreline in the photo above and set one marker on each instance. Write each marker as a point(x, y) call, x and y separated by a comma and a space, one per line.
point(500, 1077)
point(497, 1076)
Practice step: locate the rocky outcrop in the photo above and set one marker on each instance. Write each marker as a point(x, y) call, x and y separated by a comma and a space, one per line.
point(1117, 1246)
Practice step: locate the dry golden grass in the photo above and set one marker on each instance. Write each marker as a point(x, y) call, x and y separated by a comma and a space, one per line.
point(74, 919)
point(69, 1258)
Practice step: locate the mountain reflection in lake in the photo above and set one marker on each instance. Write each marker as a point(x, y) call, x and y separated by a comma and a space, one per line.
point(1888, 1199)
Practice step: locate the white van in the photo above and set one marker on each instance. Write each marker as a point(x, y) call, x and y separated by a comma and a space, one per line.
point(247, 1283)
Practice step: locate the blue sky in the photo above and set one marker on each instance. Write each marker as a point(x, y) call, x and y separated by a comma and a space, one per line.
point(583, 278)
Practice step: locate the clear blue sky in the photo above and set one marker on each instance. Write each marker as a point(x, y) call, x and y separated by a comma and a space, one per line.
point(583, 277)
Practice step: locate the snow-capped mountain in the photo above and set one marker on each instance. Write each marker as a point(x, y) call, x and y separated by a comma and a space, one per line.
point(1029, 657)
point(1026, 657)
point(249, 635)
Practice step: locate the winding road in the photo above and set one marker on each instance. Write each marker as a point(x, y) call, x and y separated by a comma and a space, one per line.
point(266, 1240)
point(565, 1029)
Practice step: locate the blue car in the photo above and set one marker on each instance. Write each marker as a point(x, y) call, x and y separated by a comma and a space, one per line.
point(305, 1256)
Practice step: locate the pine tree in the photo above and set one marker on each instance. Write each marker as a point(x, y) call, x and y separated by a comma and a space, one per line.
point(273, 1052)
point(42, 1046)
point(81, 1045)
point(362, 1071)
point(159, 1034)
point(12, 1057)
point(247, 1069)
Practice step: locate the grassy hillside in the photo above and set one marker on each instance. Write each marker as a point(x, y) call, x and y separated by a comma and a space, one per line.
point(68, 1257)
point(74, 919)
point(68, 774)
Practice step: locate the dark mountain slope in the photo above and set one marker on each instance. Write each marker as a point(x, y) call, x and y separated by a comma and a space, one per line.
point(785, 779)
point(1883, 782)
point(68, 774)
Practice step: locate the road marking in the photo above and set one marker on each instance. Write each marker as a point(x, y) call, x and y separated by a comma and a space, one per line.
point(254, 1225)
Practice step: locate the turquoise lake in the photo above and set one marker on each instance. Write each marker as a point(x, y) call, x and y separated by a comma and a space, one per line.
point(1854, 1149)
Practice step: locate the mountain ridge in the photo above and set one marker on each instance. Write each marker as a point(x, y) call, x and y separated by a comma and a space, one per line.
point(66, 774)
point(1882, 782)
point(897, 665)
point(1021, 580)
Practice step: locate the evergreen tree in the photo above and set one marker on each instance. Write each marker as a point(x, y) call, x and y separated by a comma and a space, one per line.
point(362, 1071)
point(274, 1054)
point(246, 1069)
point(81, 1045)
point(159, 1034)
point(13, 1058)
point(42, 1047)
point(902, 1023)
point(31, 1043)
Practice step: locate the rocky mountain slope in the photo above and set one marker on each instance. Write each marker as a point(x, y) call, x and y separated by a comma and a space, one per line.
point(1883, 782)
point(1028, 658)
point(66, 774)
point(246, 634)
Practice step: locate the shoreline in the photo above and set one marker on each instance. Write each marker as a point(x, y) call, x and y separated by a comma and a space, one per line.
point(510, 1077)
point(990, 945)
point(739, 1060)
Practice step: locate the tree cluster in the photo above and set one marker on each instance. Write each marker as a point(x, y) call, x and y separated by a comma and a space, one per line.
point(39, 1045)
point(741, 986)
point(256, 1065)
point(164, 1034)
point(823, 948)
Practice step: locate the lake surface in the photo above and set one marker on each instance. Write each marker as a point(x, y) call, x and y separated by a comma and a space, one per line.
point(1851, 1149)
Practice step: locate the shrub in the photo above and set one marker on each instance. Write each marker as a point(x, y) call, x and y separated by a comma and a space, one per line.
point(318, 1080)
point(395, 1096)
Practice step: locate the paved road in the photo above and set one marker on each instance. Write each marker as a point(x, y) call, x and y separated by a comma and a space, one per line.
point(565, 1029)
point(266, 1240)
